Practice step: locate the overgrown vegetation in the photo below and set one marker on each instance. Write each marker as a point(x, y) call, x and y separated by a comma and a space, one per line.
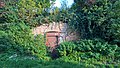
point(94, 50)
point(97, 22)
point(17, 38)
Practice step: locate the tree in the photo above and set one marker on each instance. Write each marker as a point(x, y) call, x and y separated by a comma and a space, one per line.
point(97, 19)
point(31, 11)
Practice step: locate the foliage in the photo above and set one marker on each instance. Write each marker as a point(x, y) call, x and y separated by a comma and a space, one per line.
point(34, 13)
point(3, 35)
point(66, 48)
point(25, 61)
point(98, 20)
point(56, 14)
point(31, 12)
point(17, 38)
point(29, 9)
point(94, 50)
point(96, 46)
point(15, 27)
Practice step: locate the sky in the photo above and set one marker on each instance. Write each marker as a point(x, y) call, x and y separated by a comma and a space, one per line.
point(58, 3)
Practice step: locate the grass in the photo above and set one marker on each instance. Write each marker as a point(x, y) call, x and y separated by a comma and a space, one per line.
point(21, 62)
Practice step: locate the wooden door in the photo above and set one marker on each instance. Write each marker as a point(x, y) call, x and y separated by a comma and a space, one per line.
point(52, 39)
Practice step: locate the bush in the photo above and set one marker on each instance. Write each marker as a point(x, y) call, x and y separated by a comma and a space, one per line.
point(3, 39)
point(18, 38)
point(66, 48)
point(96, 46)
point(81, 51)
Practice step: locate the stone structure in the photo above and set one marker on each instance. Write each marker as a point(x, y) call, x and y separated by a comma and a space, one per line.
point(60, 27)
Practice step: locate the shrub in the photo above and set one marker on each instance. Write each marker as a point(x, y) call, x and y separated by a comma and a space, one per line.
point(18, 38)
point(87, 49)
point(66, 48)
point(3, 39)
point(96, 46)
